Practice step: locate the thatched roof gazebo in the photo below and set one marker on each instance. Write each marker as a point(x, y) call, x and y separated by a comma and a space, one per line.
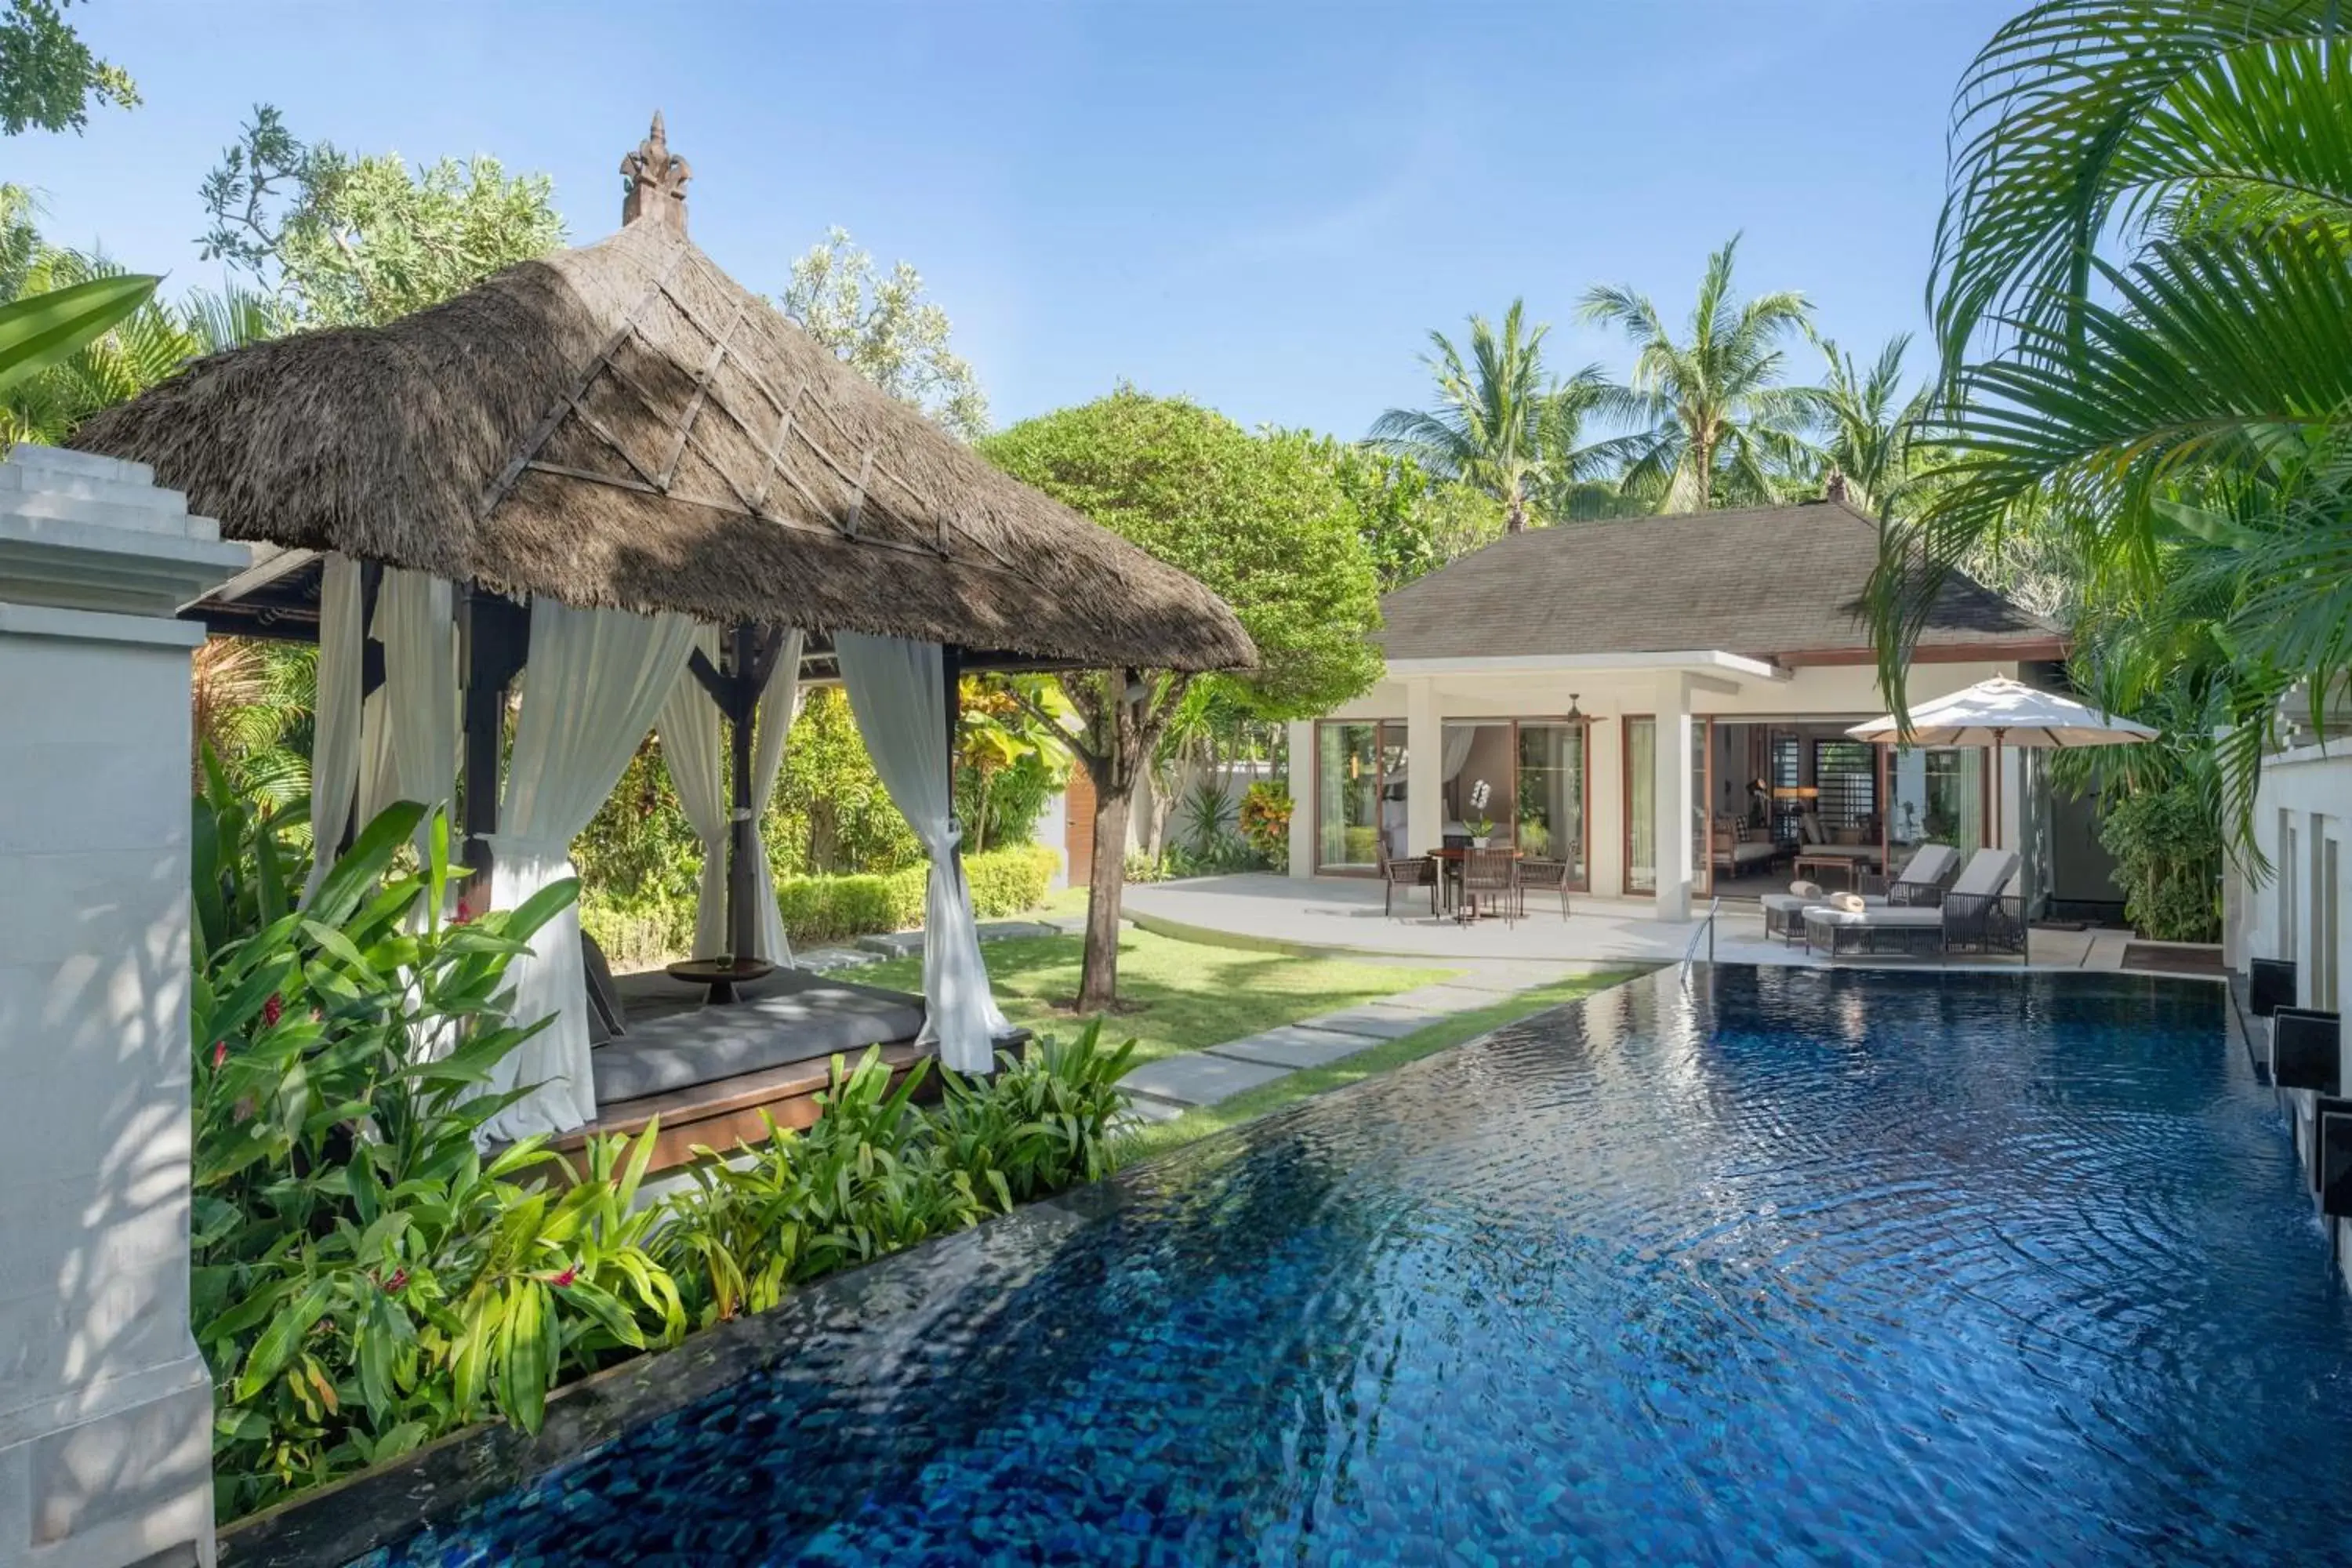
point(623, 429)
point(625, 426)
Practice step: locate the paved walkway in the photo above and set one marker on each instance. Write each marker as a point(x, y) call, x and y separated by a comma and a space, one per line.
point(1345, 913)
point(1164, 1088)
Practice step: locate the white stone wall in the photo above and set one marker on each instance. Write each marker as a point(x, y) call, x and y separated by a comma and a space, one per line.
point(105, 1407)
point(2303, 824)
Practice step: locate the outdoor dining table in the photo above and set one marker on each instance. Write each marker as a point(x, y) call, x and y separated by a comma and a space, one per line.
point(1449, 871)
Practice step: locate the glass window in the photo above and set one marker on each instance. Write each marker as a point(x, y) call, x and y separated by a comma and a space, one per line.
point(1641, 804)
point(1550, 791)
point(1477, 775)
point(1347, 792)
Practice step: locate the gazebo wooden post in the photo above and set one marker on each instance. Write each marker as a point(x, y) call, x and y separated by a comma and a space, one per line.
point(495, 639)
point(741, 927)
point(750, 656)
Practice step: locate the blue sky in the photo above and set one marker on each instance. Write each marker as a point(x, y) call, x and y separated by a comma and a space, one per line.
point(1261, 208)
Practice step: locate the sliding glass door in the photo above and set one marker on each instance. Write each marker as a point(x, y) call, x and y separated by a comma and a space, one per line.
point(1641, 805)
point(1551, 793)
point(1360, 794)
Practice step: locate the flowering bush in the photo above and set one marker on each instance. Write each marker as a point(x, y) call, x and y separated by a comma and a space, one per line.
point(1265, 822)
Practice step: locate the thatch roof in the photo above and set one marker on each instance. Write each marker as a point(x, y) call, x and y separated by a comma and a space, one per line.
point(626, 425)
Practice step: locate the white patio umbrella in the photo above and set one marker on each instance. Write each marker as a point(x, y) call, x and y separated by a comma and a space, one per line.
point(1999, 712)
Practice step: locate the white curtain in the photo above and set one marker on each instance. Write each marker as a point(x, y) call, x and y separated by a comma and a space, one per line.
point(1459, 739)
point(335, 749)
point(898, 693)
point(413, 720)
point(693, 746)
point(779, 704)
point(595, 681)
point(691, 737)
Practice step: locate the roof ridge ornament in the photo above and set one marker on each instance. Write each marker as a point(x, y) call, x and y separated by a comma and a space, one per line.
point(656, 182)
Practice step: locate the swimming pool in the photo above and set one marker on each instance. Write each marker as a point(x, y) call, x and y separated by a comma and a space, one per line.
point(1774, 1264)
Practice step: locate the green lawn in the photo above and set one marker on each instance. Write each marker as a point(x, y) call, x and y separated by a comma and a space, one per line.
point(1185, 995)
point(1158, 1139)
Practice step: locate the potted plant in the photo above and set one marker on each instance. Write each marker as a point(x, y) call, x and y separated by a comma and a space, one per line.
point(1481, 827)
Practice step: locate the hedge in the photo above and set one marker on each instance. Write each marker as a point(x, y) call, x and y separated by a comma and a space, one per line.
point(820, 910)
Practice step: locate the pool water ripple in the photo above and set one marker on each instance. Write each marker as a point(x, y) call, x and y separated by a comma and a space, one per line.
point(1777, 1266)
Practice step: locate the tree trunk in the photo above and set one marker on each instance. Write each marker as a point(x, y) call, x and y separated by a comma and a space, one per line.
point(1515, 516)
point(1099, 980)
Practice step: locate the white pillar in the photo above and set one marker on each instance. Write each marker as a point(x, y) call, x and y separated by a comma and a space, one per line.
point(1424, 790)
point(1303, 785)
point(105, 1405)
point(1673, 763)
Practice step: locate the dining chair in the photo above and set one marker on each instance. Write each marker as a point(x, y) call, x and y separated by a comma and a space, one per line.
point(1541, 876)
point(1490, 877)
point(1407, 871)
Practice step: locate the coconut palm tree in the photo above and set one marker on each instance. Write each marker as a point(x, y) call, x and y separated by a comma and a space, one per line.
point(2142, 297)
point(1580, 479)
point(1868, 424)
point(1487, 429)
point(1716, 426)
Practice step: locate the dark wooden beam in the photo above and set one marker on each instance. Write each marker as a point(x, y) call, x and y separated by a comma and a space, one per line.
point(495, 636)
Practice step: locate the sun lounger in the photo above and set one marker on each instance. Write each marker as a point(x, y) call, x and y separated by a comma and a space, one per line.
point(1921, 882)
point(1975, 912)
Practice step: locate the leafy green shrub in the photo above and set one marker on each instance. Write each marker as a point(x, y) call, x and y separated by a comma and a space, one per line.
point(1143, 867)
point(1224, 855)
point(2168, 848)
point(1007, 882)
point(818, 910)
point(877, 1173)
point(1042, 1123)
point(361, 1281)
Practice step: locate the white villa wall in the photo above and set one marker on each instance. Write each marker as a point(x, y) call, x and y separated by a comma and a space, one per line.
point(2304, 802)
point(105, 1405)
point(1848, 692)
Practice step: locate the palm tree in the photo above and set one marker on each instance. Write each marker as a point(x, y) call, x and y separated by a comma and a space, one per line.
point(1715, 424)
point(1868, 424)
point(1579, 481)
point(1487, 429)
point(2142, 297)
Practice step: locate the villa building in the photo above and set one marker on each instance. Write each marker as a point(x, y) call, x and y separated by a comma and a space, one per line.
point(1571, 688)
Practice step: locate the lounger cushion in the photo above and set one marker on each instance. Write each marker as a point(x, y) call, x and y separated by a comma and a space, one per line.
point(1878, 915)
point(792, 1015)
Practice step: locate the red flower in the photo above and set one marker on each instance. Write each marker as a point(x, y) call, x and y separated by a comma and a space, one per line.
point(564, 1281)
point(399, 1277)
point(220, 1053)
point(273, 1010)
point(464, 915)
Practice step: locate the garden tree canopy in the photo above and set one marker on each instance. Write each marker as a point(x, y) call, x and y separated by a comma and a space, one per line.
point(49, 77)
point(343, 241)
point(885, 330)
point(1263, 524)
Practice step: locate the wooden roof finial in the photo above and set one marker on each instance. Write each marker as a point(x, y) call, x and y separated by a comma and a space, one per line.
point(656, 181)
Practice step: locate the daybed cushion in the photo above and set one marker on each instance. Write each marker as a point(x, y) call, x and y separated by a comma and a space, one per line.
point(794, 1015)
